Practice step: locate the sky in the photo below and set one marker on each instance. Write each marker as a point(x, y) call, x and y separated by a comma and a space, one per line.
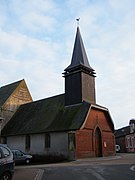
point(36, 44)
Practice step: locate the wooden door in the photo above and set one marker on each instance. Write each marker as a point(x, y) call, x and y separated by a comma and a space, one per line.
point(98, 143)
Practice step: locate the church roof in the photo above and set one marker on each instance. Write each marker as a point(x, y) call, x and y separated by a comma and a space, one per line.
point(47, 115)
point(50, 115)
point(6, 91)
point(79, 56)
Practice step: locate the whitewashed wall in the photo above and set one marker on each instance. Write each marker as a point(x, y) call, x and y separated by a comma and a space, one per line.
point(16, 142)
point(59, 143)
point(37, 144)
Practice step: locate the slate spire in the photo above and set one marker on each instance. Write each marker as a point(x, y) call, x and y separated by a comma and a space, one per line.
point(79, 76)
point(79, 56)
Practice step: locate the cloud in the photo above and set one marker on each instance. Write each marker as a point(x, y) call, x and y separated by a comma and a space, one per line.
point(28, 17)
point(18, 44)
point(36, 22)
point(32, 59)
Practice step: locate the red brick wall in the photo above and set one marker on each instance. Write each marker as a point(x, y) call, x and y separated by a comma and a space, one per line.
point(85, 138)
point(84, 143)
point(108, 143)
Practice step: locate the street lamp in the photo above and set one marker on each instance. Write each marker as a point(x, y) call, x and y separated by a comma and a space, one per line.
point(1, 119)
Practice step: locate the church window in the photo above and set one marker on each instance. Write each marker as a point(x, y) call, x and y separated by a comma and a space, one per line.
point(27, 142)
point(47, 140)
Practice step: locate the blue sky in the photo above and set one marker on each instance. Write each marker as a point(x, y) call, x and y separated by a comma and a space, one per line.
point(36, 44)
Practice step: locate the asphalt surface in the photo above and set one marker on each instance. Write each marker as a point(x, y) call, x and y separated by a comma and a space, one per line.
point(88, 172)
point(28, 173)
point(121, 166)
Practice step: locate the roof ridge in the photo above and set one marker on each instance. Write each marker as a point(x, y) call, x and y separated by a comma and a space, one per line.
point(12, 83)
point(7, 90)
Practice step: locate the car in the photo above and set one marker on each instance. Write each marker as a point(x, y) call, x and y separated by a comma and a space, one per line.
point(21, 157)
point(6, 163)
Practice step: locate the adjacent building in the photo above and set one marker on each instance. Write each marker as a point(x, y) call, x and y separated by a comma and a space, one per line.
point(125, 137)
point(11, 97)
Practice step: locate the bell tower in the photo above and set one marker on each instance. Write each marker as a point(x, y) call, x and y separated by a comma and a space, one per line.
point(79, 76)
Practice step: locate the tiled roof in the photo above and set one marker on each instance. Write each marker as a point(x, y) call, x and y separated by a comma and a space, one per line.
point(122, 131)
point(47, 115)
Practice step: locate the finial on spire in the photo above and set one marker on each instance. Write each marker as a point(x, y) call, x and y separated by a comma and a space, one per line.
point(78, 19)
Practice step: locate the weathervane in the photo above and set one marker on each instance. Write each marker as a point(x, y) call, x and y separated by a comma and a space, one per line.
point(78, 19)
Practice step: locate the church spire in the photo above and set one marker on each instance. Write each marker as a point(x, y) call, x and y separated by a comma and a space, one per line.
point(79, 56)
point(79, 76)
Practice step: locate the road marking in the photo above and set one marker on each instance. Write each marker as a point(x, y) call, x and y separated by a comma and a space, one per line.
point(132, 168)
point(97, 175)
point(39, 174)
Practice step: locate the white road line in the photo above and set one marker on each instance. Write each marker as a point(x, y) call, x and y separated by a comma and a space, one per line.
point(39, 174)
point(97, 175)
point(132, 168)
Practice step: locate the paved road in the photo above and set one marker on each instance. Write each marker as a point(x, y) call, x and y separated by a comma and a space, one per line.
point(120, 167)
point(95, 172)
point(24, 173)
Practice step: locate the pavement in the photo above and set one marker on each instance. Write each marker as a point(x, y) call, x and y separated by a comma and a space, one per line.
point(35, 172)
point(28, 174)
point(120, 158)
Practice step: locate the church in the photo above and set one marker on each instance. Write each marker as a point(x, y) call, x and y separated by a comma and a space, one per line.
point(69, 126)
